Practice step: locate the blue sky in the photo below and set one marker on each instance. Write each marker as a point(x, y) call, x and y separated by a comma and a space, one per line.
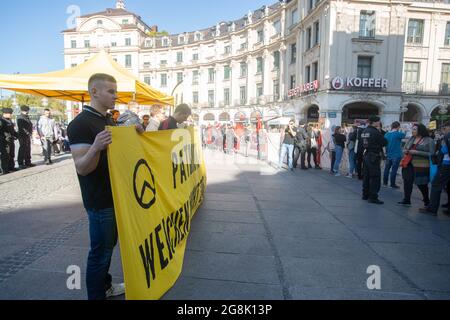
point(31, 40)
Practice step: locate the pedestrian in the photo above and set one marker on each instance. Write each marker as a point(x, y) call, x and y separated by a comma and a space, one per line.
point(181, 114)
point(8, 134)
point(89, 142)
point(145, 121)
point(25, 132)
point(156, 117)
point(442, 178)
point(339, 141)
point(393, 154)
point(319, 148)
point(359, 149)
point(416, 164)
point(373, 143)
point(351, 152)
point(47, 133)
point(247, 139)
point(288, 145)
point(311, 147)
point(300, 146)
point(331, 148)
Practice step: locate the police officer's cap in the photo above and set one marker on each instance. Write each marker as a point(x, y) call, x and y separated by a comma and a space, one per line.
point(7, 110)
point(373, 119)
point(25, 108)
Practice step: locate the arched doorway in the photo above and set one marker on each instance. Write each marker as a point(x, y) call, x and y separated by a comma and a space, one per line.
point(439, 117)
point(312, 114)
point(412, 115)
point(358, 110)
point(209, 117)
point(254, 116)
point(224, 117)
point(240, 117)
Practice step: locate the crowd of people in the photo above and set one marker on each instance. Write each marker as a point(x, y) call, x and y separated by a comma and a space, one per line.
point(422, 155)
point(50, 134)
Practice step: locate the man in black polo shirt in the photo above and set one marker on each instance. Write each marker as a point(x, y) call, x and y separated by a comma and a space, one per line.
point(181, 114)
point(89, 142)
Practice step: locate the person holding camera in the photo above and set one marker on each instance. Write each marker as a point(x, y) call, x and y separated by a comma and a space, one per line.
point(288, 145)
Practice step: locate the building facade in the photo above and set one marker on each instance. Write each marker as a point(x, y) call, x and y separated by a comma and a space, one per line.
point(328, 61)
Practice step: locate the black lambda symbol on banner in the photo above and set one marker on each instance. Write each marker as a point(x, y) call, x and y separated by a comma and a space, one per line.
point(145, 183)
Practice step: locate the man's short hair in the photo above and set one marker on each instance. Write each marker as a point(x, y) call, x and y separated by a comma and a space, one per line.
point(184, 109)
point(154, 111)
point(46, 110)
point(145, 116)
point(373, 119)
point(395, 125)
point(113, 112)
point(100, 77)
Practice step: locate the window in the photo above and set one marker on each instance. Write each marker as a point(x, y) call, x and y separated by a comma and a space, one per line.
point(293, 53)
point(87, 43)
point(211, 73)
point(113, 44)
point(308, 74)
point(181, 40)
point(294, 16)
point(412, 72)
point(445, 79)
point(277, 27)
point(163, 80)
point(447, 35)
point(244, 46)
point(147, 80)
point(243, 69)
point(195, 57)
point(310, 5)
point(195, 97)
point(179, 56)
point(148, 43)
point(367, 24)
point(227, 49)
point(179, 77)
point(226, 73)
point(276, 60)
point(308, 38)
point(260, 36)
point(415, 31)
point(211, 98)
point(125, 21)
point(276, 90)
point(195, 77)
point(127, 42)
point(73, 44)
point(259, 90)
point(243, 94)
point(315, 71)
point(99, 23)
point(73, 65)
point(163, 62)
point(128, 61)
point(259, 65)
point(226, 96)
point(364, 67)
point(292, 82)
point(198, 36)
point(316, 32)
point(165, 42)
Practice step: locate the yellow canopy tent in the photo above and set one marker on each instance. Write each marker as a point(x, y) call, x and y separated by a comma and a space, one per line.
point(72, 84)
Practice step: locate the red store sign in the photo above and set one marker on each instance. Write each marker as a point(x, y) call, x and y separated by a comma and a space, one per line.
point(304, 88)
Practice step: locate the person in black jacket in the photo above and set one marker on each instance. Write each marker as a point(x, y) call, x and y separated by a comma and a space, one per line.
point(25, 132)
point(373, 142)
point(7, 136)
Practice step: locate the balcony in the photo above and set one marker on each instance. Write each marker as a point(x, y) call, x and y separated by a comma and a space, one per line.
point(257, 45)
point(146, 65)
point(412, 87)
point(444, 90)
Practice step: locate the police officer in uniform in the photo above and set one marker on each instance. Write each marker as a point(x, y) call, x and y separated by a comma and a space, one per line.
point(7, 136)
point(25, 132)
point(373, 142)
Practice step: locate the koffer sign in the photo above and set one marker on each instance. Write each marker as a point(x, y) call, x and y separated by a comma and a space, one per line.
point(339, 83)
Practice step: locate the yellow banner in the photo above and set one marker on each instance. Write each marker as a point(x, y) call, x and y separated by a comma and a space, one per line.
point(432, 125)
point(158, 182)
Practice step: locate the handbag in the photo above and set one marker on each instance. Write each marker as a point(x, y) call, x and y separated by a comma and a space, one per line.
point(408, 157)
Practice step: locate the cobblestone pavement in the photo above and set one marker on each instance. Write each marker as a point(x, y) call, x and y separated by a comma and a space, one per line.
point(261, 234)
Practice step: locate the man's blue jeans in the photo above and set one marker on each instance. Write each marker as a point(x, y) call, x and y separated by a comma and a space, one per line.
point(391, 165)
point(339, 151)
point(103, 234)
point(289, 149)
point(351, 161)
